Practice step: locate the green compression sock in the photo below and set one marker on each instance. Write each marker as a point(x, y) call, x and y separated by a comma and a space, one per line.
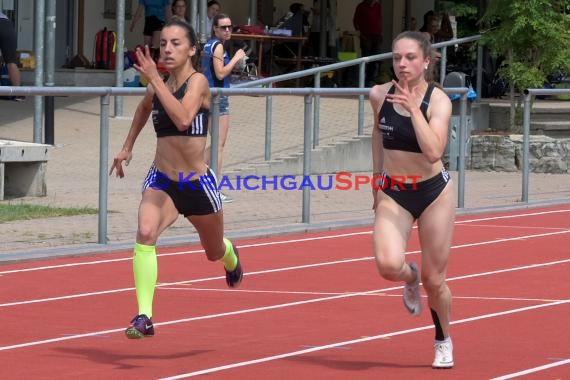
point(230, 259)
point(145, 268)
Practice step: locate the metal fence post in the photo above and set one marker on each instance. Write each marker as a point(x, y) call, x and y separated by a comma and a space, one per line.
point(316, 114)
point(119, 54)
point(361, 84)
point(103, 176)
point(462, 143)
point(214, 143)
point(39, 47)
point(526, 147)
point(268, 119)
point(307, 144)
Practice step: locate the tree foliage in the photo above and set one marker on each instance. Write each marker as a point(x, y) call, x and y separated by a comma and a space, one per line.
point(533, 34)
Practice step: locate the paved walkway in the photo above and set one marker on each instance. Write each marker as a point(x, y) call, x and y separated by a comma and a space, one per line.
point(72, 174)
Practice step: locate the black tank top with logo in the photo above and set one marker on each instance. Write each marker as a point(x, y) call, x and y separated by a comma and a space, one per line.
point(397, 130)
point(163, 125)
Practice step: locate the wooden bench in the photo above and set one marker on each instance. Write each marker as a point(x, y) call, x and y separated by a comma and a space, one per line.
point(22, 169)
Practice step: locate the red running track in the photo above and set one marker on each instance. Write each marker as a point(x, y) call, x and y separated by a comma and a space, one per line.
point(311, 306)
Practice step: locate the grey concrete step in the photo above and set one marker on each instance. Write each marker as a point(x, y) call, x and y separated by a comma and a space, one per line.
point(349, 155)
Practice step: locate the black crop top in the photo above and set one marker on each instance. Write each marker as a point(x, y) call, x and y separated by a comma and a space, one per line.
point(163, 125)
point(397, 130)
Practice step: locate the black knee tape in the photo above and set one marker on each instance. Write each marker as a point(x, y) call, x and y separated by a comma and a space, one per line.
point(438, 330)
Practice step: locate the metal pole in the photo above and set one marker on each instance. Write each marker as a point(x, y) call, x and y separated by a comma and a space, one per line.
point(361, 79)
point(316, 114)
point(526, 145)
point(443, 64)
point(39, 73)
point(103, 176)
point(323, 38)
point(462, 143)
point(50, 71)
point(268, 118)
point(194, 14)
point(215, 135)
point(253, 11)
point(119, 55)
point(306, 212)
point(479, 84)
point(202, 12)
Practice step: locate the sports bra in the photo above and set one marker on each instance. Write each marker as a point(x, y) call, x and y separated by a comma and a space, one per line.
point(163, 125)
point(397, 130)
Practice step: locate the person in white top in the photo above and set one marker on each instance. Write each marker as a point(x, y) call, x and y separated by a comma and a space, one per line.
point(213, 8)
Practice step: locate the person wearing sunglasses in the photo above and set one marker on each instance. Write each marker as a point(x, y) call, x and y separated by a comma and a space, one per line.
point(217, 66)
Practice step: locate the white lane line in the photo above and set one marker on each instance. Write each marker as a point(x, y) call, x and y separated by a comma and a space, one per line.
point(308, 293)
point(519, 227)
point(272, 307)
point(532, 370)
point(278, 242)
point(72, 296)
point(354, 341)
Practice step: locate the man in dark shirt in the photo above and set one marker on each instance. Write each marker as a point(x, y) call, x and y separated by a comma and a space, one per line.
point(368, 21)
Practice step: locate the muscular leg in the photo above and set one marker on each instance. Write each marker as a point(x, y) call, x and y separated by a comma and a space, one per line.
point(156, 213)
point(224, 131)
point(435, 227)
point(211, 231)
point(392, 228)
point(210, 228)
point(224, 125)
point(14, 74)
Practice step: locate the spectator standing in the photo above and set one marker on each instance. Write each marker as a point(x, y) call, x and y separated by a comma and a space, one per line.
point(179, 10)
point(212, 10)
point(8, 46)
point(217, 66)
point(315, 35)
point(368, 22)
point(156, 12)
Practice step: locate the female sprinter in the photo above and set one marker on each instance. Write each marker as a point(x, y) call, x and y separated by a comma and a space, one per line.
point(180, 108)
point(409, 137)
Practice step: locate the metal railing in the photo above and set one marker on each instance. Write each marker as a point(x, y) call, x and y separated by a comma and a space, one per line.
point(316, 72)
point(309, 94)
point(527, 106)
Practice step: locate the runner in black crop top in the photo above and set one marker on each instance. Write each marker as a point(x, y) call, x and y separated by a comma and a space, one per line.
point(163, 125)
point(397, 130)
point(179, 181)
point(428, 202)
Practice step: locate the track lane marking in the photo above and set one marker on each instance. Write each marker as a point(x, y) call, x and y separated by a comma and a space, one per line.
point(102, 292)
point(354, 341)
point(532, 370)
point(272, 243)
point(272, 307)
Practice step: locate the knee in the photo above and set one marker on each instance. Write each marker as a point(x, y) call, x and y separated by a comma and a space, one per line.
point(433, 283)
point(147, 235)
point(390, 268)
